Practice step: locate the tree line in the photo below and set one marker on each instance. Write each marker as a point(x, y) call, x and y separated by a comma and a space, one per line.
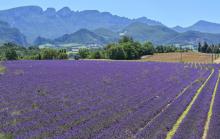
point(207, 48)
point(10, 51)
point(126, 49)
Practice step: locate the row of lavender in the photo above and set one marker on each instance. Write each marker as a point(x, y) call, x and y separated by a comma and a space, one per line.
point(193, 125)
point(90, 99)
point(214, 127)
point(164, 122)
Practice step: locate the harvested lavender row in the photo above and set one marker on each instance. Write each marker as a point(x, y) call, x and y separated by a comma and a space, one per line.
point(159, 127)
point(61, 99)
point(192, 126)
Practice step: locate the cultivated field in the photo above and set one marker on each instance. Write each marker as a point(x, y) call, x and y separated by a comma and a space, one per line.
point(109, 99)
point(186, 57)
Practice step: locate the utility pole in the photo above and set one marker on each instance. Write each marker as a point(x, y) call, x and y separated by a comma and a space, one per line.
point(181, 54)
point(212, 55)
point(212, 58)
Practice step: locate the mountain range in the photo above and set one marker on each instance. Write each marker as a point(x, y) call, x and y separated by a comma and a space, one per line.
point(139, 31)
point(33, 25)
point(33, 21)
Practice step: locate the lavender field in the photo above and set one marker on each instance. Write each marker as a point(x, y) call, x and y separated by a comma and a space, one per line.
point(109, 100)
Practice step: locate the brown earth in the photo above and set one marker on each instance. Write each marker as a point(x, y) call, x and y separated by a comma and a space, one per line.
point(192, 57)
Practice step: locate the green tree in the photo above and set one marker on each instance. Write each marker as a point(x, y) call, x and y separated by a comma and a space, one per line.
point(62, 54)
point(84, 52)
point(125, 39)
point(117, 53)
point(10, 54)
point(147, 49)
point(205, 47)
point(130, 51)
point(199, 47)
point(49, 53)
point(160, 49)
point(97, 55)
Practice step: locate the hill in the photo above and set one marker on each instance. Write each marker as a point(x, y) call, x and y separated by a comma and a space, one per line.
point(9, 34)
point(142, 32)
point(179, 29)
point(201, 26)
point(41, 40)
point(110, 36)
point(83, 36)
point(194, 37)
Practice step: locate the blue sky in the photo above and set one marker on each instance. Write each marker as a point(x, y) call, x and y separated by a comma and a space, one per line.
point(169, 12)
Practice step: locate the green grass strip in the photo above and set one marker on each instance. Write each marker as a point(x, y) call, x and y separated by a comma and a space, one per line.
point(172, 132)
point(209, 116)
point(2, 69)
point(2, 136)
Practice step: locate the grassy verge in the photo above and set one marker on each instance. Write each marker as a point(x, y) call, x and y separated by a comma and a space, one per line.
point(2, 136)
point(2, 69)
